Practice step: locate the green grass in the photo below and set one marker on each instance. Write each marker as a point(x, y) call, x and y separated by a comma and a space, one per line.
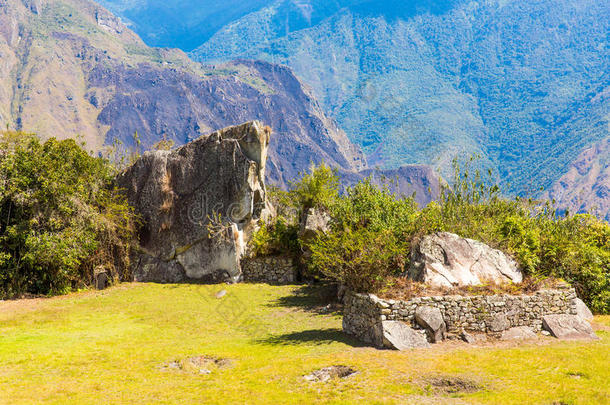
point(110, 346)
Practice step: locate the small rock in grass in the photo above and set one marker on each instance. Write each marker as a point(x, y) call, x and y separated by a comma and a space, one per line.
point(400, 336)
point(329, 373)
point(468, 338)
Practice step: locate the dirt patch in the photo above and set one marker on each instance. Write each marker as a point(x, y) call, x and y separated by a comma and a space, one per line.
point(577, 375)
point(401, 288)
point(448, 385)
point(329, 373)
point(198, 364)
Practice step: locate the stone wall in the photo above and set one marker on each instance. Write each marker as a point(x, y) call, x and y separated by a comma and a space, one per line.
point(491, 314)
point(278, 270)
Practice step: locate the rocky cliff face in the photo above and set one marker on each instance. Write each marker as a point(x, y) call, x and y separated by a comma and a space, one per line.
point(179, 105)
point(198, 205)
point(70, 68)
point(586, 185)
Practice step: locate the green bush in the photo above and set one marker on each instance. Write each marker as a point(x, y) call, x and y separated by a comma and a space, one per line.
point(369, 238)
point(362, 259)
point(60, 217)
point(276, 237)
point(317, 189)
point(372, 232)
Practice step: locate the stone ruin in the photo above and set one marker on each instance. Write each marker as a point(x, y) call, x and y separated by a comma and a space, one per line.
point(199, 205)
point(445, 260)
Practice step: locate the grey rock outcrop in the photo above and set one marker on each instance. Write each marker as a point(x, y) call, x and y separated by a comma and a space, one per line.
point(583, 310)
point(400, 336)
point(568, 327)
point(313, 221)
point(447, 260)
point(198, 205)
point(431, 319)
point(498, 323)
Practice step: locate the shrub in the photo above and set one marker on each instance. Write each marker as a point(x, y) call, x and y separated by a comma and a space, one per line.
point(276, 237)
point(372, 232)
point(317, 189)
point(369, 239)
point(60, 217)
point(361, 259)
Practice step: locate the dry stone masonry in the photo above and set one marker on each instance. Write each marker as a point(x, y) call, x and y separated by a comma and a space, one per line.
point(275, 270)
point(365, 314)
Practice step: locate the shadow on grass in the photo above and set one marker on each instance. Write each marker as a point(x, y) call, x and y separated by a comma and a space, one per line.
point(314, 336)
point(318, 298)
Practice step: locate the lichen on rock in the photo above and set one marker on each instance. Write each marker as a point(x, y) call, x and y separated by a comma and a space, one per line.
point(198, 205)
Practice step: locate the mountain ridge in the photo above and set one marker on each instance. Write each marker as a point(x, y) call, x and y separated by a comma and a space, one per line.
point(511, 81)
point(71, 68)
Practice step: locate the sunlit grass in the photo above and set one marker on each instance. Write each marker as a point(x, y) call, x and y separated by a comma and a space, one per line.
point(110, 347)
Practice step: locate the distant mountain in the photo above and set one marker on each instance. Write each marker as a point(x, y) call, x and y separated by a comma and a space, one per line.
point(183, 24)
point(524, 84)
point(586, 185)
point(71, 68)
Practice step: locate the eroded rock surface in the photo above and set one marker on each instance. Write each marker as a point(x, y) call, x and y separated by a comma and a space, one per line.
point(400, 336)
point(314, 222)
point(568, 327)
point(198, 205)
point(431, 319)
point(446, 260)
point(583, 310)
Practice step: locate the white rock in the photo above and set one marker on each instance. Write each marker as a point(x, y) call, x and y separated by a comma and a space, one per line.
point(447, 260)
point(568, 327)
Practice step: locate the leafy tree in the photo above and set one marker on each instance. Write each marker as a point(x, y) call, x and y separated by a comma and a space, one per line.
point(60, 217)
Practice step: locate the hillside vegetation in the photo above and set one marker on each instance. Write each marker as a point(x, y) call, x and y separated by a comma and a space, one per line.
point(371, 233)
point(525, 84)
point(124, 346)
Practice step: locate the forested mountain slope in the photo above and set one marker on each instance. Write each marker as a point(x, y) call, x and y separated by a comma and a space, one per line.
point(524, 84)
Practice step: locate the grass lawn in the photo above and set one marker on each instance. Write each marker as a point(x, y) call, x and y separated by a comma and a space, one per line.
point(115, 347)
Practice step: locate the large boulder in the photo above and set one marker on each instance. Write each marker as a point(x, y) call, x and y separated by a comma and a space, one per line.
point(198, 205)
point(583, 310)
point(400, 336)
point(447, 260)
point(431, 319)
point(568, 327)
